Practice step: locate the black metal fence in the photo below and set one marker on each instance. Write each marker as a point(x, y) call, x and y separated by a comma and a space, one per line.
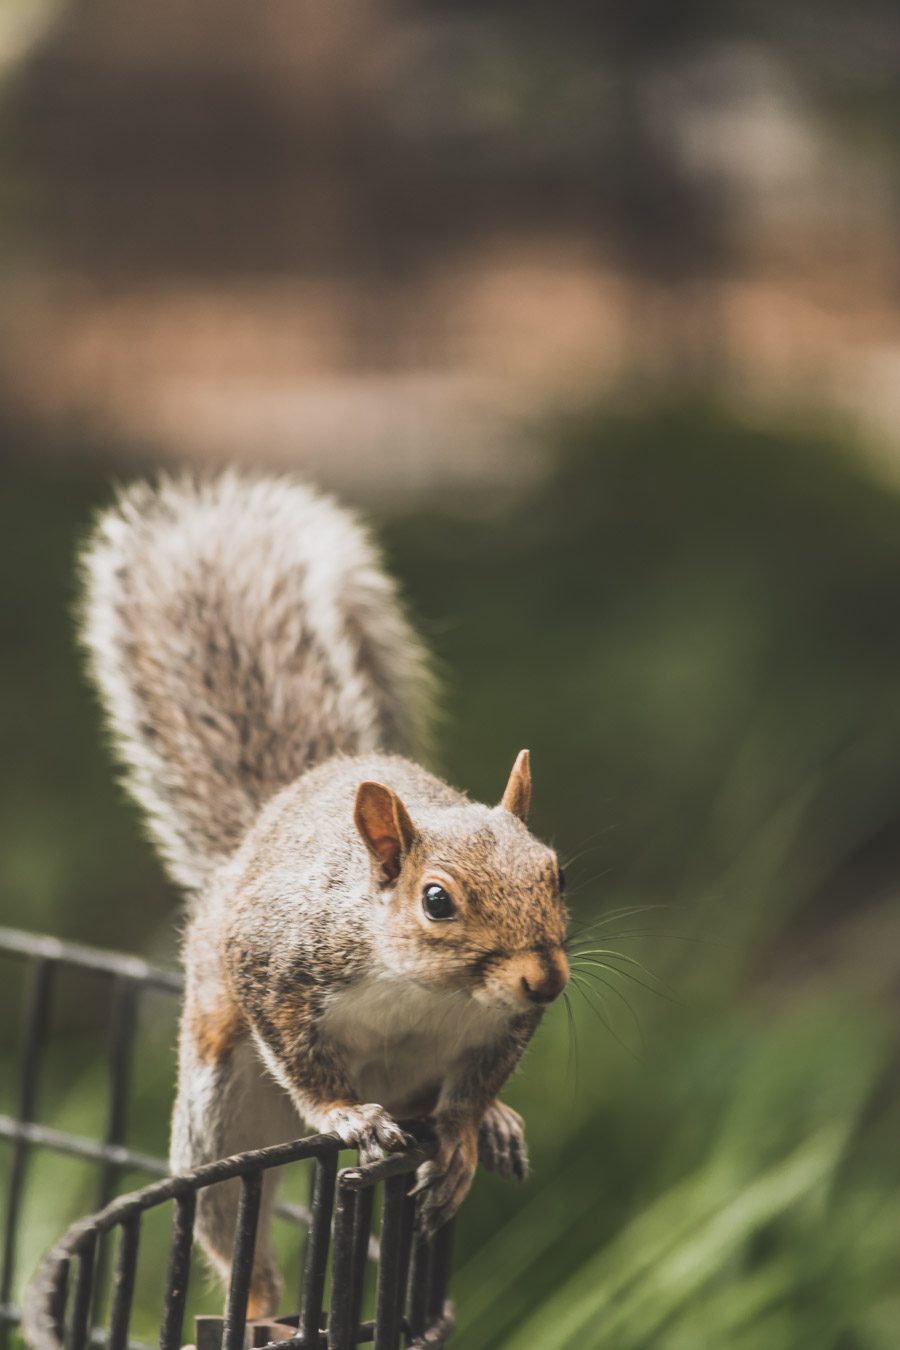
point(64, 1302)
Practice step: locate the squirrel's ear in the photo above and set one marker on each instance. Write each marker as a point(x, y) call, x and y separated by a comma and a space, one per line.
point(385, 826)
point(517, 797)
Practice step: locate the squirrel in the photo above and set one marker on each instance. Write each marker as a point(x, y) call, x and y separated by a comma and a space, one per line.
point(364, 944)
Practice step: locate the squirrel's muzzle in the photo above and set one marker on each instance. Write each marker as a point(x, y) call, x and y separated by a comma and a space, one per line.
point(543, 976)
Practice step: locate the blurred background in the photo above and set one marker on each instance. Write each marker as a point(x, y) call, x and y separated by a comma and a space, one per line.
point(595, 311)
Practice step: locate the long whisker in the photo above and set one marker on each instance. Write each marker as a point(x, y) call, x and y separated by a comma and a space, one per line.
point(622, 999)
point(625, 912)
point(582, 985)
point(620, 910)
point(675, 937)
point(590, 1002)
point(582, 884)
point(571, 1064)
point(579, 953)
point(619, 956)
point(590, 845)
point(612, 954)
point(664, 992)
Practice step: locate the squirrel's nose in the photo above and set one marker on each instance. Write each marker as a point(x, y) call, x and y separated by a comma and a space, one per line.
point(553, 978)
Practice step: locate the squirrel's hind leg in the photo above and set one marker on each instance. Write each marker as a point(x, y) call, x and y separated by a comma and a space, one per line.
point(223, 1107)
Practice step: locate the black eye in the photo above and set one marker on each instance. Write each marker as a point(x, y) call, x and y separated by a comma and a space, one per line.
point(562, 882)
point(437, 903)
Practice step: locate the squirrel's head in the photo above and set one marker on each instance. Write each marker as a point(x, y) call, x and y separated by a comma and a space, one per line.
point(471, 900)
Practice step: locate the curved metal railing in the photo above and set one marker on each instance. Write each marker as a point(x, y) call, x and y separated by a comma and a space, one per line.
point(412, 1273)
point(62, 1306)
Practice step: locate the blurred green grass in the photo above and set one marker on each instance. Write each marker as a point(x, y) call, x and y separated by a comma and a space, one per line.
point(692, 623)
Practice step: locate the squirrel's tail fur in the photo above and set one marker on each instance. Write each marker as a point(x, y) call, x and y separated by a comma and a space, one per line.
point(240, 631)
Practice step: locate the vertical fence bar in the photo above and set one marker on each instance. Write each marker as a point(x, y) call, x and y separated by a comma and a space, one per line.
point(341, 1332)
point(123, 1009)
point(406, 1242)
point(242, 1262)
point(440, 1269)
point(312, 1181)
point(409, 1220)
point(33, 1036)
point(122, 1017)
point(419, 1288)
point(317, 1250)
point(362, 1231)
point(178, 1272)
point(79, 1328)
point(419, 1282)
point(387, 1310)
point(123, 1284)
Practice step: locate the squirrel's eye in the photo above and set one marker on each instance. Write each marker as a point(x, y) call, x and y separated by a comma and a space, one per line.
point(562, 882)
point(437, 903)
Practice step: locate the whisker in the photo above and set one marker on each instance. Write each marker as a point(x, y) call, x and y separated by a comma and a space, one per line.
point(675, 937)
point(581, 983)
point(590, 845)
point(589, 881)
point(622, 999)
point(621, 956)
point(618, 1039)
point(625, 912)
point(664, 992)
point(571, 1063)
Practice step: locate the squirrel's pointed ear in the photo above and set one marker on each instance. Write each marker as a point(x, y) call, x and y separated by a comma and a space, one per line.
point(385, 827)
point(517, 797)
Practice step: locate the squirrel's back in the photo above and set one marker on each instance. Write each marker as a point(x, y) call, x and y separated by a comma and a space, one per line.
point(240, 631)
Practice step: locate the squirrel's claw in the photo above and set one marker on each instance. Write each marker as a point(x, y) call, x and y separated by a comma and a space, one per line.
point(369, 1128)
point(501, 1142)
point(444, 1182)
point(426, 1175)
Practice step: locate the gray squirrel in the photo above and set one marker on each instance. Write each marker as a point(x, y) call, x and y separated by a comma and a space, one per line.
point(364, 944)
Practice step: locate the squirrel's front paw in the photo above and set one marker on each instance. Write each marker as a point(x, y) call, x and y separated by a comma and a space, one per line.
point(501, 1142)
point(367, 1127)
point(444, 1181)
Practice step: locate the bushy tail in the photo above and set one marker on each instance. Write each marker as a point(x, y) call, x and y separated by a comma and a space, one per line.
point(241, 631)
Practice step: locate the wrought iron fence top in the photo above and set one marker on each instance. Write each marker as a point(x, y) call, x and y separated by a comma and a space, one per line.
point(43, 947)
point(128, 980)
point(412, 1276)
point(412, 1273)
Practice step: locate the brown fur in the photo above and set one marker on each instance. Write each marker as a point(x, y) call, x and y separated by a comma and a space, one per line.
point(215, 1033)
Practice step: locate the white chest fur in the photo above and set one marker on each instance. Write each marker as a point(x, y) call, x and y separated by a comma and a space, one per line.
point(399, 1039)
